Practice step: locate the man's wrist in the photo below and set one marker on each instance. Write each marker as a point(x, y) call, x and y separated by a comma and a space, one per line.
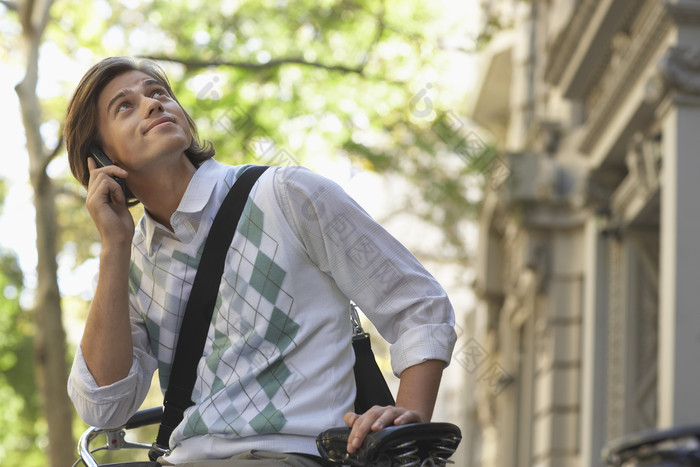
point(115, 249)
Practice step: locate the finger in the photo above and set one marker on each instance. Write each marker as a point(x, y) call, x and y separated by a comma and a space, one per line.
point(363, 425)
point(96, 183)
point(389, 417)
point(116, 193)
point(92, 166)
point(103, 188)
point(106, 181)
point(112, 170)
point(350, 418)
point(100, 181)
point(408, 417)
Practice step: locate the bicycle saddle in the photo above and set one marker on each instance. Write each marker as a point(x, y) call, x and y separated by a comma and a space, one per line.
point(416, 444)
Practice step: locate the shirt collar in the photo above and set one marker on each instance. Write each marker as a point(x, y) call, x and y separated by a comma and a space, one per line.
point(185, 220)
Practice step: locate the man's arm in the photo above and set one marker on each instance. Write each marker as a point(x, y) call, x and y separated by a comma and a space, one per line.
point(415, 402)
point(106, 344)
point(112, 369)
point(404, 302)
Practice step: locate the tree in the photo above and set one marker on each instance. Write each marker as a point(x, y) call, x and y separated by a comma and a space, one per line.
point(50, 341)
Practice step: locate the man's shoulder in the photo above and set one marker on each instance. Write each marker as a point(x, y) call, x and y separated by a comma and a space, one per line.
point(301, 178)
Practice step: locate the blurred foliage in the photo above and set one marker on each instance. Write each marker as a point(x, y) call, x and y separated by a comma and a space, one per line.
point(497, 15)
point(3, 193)
point(279, 82)
point(21, 427)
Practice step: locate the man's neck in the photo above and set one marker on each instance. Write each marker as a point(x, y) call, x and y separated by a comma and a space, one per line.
point(162, 192)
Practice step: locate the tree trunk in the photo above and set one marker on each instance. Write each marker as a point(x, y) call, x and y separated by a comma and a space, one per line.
point(50, 339)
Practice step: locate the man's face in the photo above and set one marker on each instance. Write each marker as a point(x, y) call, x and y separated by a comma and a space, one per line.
point(139, 122)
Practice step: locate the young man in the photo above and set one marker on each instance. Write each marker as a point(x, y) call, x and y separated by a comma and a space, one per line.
point(277, 365)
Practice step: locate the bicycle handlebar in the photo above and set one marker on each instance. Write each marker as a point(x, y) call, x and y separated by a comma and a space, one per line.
point(144, 418)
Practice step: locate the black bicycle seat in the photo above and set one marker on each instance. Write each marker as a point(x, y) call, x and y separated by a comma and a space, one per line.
point(404, 445)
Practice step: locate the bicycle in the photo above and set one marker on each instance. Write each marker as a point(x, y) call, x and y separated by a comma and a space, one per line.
point(413, 445)
point(671, 447)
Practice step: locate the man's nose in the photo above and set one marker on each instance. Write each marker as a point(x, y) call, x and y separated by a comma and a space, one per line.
point(153, 106)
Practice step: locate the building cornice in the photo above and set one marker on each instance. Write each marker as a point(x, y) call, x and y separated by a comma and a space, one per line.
point(598, 46)
point(560, 216)
point(631, 201)
point(565, 45)
point(651, 26)
point(679, 70)
point(684, 13)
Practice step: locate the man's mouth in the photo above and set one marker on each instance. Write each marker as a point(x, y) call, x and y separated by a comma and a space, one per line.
point(157, 122)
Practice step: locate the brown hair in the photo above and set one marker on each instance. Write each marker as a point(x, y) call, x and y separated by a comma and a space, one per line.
point(81, 130)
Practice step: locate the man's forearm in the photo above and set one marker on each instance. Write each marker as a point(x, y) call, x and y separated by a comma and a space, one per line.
point(414, 403)
point(106, 344)
point(419, 386)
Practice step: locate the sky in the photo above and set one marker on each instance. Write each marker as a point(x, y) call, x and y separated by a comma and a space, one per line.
point(17, 230)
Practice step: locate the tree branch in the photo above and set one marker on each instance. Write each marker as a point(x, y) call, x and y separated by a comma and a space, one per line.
point(26, 10)
point(55, 152)
point(71, 192)
point(45, 16)
point(196, 64)
point(377, 36)
point(461, 49)
point(12, 6)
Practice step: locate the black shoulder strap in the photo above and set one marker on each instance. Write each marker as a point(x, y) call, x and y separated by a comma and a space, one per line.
point(200, 306)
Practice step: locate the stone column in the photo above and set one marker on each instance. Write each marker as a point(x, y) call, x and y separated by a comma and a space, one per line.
point(594, 345)
point(679, 307)
point(558, 366)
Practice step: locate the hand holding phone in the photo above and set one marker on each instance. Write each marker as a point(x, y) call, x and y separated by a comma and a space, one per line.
point(113, 220)
point(103, 161)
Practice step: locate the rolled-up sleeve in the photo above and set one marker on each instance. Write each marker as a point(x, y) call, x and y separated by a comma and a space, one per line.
point(112, 405)
point(404, 302)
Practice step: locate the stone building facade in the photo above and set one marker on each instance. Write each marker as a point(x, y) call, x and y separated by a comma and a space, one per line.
point(589, 263)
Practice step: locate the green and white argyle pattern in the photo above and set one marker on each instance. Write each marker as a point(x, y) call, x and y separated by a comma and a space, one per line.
point(240, 389)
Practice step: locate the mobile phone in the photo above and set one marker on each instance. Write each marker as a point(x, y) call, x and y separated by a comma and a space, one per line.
point(103, 161)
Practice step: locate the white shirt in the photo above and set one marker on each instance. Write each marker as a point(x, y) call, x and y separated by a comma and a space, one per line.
point(277, 364)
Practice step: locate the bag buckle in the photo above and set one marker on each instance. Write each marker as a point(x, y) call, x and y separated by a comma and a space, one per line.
point(157, 451)
point(355, 320)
